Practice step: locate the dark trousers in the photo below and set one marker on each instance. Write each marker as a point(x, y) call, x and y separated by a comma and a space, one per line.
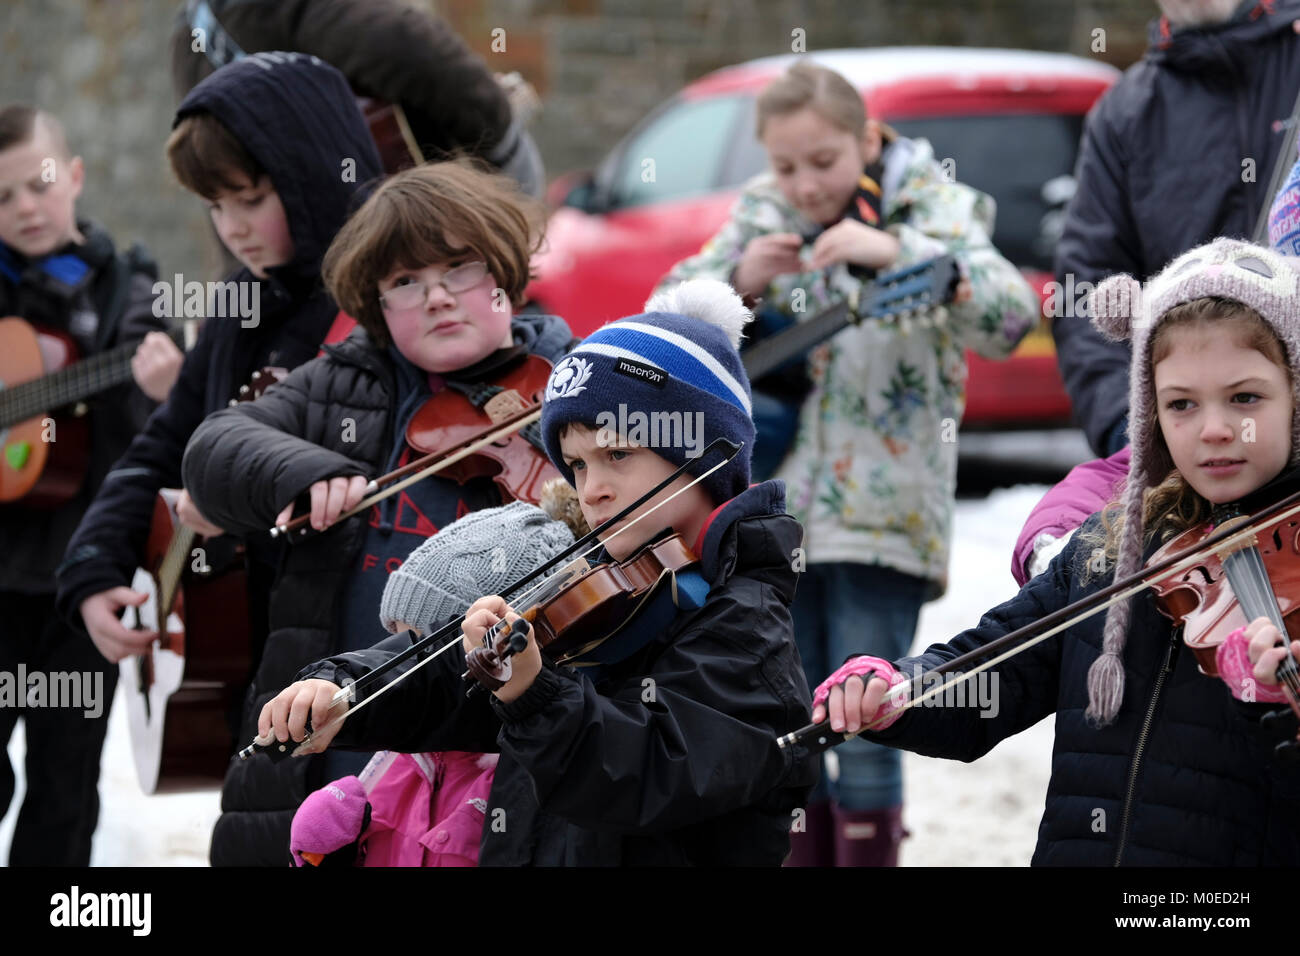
point(61, 806)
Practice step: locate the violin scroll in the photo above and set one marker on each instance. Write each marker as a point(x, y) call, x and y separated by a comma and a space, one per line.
point(489, 666)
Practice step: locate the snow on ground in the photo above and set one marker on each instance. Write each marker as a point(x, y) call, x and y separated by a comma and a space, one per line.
point(985, 813)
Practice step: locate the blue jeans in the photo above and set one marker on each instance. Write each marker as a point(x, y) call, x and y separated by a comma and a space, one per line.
point(841, 610)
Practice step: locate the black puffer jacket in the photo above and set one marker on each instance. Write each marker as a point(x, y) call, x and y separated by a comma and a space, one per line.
point(592, 774)
point(298, 120)
point(1178, 152)
point(1184, 777)
point(242, 467)
point(119, 292)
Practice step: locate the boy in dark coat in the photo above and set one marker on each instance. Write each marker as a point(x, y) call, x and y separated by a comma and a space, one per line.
point(657, 746)
point(223, 149)
point(434, 310)
point(62, 274)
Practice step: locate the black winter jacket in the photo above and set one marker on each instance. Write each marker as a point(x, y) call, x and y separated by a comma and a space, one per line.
point(385, 48)
point(299, 121)
point(242, 467)
point(120, 294)
point(1178, 152)
point(1184, 777)
point(591, 774)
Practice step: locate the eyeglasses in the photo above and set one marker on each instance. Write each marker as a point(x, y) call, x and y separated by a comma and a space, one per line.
point(413, 294)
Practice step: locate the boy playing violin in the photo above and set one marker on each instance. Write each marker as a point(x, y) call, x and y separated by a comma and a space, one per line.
point(652, 747)
point(433, 301)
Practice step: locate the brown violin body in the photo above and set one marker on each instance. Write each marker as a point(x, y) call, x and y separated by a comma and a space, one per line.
point(586, 610)
point(1201, 599)
point(600, 601)
point(449, 419)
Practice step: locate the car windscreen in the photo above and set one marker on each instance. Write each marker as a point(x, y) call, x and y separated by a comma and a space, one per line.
point(1018, 159)
point(679, 151)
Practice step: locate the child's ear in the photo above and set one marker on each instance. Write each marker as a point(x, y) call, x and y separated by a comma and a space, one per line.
point(76, 175)
point(871, 143)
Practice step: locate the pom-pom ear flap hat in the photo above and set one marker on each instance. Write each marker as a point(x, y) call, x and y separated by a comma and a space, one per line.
point(1122, 310)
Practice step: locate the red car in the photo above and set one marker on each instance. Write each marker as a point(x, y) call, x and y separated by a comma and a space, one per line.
point(1008, 120)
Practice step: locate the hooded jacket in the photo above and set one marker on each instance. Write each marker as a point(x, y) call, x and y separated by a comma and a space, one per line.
point(243, 465)
point(669, 757)
point(118, 293)
point(1185, 776)
point(296, 116)
point(1181, 150)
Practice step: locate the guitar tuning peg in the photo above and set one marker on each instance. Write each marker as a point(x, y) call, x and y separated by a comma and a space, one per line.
point(940, 315)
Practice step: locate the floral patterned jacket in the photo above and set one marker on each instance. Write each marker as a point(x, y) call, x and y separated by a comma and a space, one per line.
point(872, 473)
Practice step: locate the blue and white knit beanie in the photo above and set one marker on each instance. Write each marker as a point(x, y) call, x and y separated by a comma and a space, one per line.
point(672, 373)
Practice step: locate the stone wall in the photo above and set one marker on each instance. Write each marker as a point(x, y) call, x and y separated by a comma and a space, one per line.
point(102, 66)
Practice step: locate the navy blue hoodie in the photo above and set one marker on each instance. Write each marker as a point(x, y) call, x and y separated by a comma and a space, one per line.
point(297, 117)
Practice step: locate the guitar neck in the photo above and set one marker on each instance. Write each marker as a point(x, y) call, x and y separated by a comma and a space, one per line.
point(795, 341)
point(70, 385)
point(915, 288)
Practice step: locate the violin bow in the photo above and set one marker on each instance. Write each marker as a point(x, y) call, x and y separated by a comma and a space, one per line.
point(819, 736)
point(347, 695)
point(440, 460)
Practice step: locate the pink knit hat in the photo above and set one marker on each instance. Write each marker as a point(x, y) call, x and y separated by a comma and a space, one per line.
point(1122, 310)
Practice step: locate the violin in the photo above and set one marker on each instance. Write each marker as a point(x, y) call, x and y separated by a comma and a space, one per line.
point(572, 622)
point(451, 418)
point(1178, 567)
point(581, 611)
point(1251, 576)
point(487, 430)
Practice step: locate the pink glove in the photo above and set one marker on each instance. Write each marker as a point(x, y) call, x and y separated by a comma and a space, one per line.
point(330, 820)
point(865, 667)
point(1233, 660)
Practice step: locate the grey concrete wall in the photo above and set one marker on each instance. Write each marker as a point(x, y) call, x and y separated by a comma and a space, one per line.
point(102, 66)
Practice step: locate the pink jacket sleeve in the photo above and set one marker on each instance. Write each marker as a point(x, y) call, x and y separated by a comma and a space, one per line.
point(1084, 491)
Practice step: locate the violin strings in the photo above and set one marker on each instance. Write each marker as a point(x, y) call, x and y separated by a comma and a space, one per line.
point(897, 692)
point(1248, 578)
point(345, 693)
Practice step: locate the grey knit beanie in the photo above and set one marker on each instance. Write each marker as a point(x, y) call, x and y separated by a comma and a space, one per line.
point(482, 553)
point(1122, 310)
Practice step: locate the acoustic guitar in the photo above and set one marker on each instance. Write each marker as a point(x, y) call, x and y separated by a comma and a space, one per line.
point(44, 383)
point(180, 692)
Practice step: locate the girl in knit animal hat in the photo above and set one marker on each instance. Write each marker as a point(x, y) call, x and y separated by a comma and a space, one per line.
point(1155, 764)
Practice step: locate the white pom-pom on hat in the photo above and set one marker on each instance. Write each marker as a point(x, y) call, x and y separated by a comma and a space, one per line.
point(1114, 305)
point(708, 300)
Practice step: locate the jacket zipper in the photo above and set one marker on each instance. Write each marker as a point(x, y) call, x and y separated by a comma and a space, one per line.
point(1165, 670)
